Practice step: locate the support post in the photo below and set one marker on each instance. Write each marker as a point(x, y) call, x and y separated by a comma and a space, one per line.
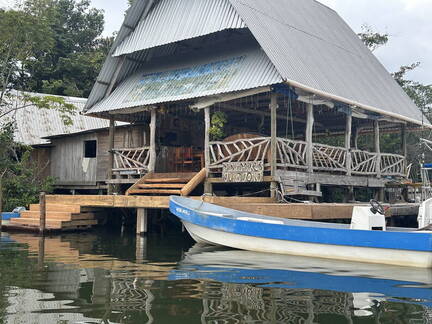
point(348, 130)
point(309, 137)
point(207, 185)
point(42, 212)
point(404, 141)
point(1, 199)
point(111, 154)
point(152, 162)
point(377, 147)
point(142, 215)
point(273, 162)
point(41, 252)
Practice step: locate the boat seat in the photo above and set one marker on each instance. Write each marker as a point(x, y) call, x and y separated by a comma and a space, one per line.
point(364, 219)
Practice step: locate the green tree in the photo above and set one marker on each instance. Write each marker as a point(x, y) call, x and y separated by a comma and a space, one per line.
point(69, 67)
point(420, 93)
point(24, 34)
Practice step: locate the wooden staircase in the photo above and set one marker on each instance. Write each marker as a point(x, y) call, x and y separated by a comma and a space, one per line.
point(58, 217)
point(162, 184)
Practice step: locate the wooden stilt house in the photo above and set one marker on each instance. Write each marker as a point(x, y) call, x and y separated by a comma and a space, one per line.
point(267, 93)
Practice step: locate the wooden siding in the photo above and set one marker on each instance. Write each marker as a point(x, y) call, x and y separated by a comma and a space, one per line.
point(67, 155)
point(68, 164)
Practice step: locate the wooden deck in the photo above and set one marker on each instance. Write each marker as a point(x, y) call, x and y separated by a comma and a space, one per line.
point(259, 205)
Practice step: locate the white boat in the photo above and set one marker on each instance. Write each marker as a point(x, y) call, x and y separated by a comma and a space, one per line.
point(366, 239)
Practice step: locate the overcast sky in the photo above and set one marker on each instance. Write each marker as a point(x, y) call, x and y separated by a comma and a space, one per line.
point(408, 22)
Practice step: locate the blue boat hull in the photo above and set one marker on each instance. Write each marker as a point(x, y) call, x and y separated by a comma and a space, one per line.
point(222, 226)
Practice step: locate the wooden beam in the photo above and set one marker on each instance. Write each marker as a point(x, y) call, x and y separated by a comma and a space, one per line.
point(273, 142)
point(265, 114)
point(309, 137)
point(348, 131)
point(152, 162)
point(377, 146)
point(357, 131)
point(194, 182)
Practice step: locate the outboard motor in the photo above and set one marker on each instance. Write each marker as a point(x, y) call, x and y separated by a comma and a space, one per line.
point(369, 218)
point(425, 214)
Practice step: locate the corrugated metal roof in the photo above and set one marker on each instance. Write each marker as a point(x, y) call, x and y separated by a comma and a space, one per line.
point(33, 124)
point(312, 46)
point(211, 76)
point(134, 14)
point(175, 20)
point(309, 45)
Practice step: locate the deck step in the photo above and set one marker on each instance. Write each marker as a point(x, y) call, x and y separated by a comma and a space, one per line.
point(168, 180)
point(53, 224)
point(154, 191)
point(161, 186)
point(63, 216)
point(57, 208)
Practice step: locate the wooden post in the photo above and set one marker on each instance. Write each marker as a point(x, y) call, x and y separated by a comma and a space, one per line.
point(142, 216)
point(111, 154)
point(1, 200)
point(377, 147)
point(309, 137)
point(152, 163)
point(404, 141)
point(41, 252)
point(207, 185)
point(348, 130)
point(273, 146)
point(42, 213)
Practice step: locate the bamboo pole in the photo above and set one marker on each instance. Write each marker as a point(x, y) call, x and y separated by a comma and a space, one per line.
point(207, 185)
point(309, 137)
point(377, 147)
point(152, 162)
point(111, 154)
point(404, 141)
point(348, 130)
point(42, 213)
point(273, 162)
point(1, 199)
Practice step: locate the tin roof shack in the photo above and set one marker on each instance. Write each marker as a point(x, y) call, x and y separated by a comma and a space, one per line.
point(79, 161)
point(283, 76)
point(33, 125)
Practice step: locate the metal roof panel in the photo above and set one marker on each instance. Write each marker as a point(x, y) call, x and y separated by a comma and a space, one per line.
point(195, 78)
point(175, 20)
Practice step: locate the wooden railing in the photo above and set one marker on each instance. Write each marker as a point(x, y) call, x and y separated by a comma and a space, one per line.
point(364, 163)
point(131, 159)
point(329, 158)
point(393, 165)
point(241, 150)
point(292, 155)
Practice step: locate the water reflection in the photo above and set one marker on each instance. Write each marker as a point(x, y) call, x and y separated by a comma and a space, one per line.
point(244, 286)
point(108, 278)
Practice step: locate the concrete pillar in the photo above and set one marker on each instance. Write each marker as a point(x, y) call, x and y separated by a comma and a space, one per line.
point(142, 215)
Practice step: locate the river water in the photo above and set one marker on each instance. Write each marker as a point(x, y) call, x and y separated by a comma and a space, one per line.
point(109, 277)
